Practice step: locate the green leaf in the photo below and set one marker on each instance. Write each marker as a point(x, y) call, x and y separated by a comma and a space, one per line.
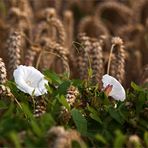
point(94, 114)
point(116, 115)
point(80, 121)
point(26, 111)
point(16, 92)
point(78, 144)
point(77, 82)
point(91, 109)
point(146, 138)
point(10, 110)
point(75, 144)
point(140, 102)
point(46, 121)
point(136, 87)
point(3, 105)
point(35, 128)
point(63, 101)
point(48, 88)
point(2, 7)
point(15, 139)
point(62, 89)
point(90, 72)
point(119, 139)
point(52, 76)
point(96, 118)
point(100, 139)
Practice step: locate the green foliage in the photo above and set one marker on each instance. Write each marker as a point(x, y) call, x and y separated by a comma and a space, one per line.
point(63, 101)
point(101, 121)
point(80, 121)
point(119, 140)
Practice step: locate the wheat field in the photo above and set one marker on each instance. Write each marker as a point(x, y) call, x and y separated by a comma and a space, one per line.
point(74, 73)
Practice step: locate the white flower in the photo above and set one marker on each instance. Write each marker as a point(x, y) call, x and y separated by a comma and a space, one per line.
point(115, 88)
point(30, 80)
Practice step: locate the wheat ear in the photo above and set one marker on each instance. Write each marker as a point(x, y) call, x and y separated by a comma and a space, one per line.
point(117, 71)
point(40, 106)
point(143, 78)
point(31, 54)
point(97, 60)
point(3, 73)
point(60, 138)
point(114, 15)
point(92, 26)
point(61, 35)
point(14, 45)
point(59, 50)
point(83, 59)
point(4, 91)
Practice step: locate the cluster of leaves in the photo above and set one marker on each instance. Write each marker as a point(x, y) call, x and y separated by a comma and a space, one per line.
point(101, 121)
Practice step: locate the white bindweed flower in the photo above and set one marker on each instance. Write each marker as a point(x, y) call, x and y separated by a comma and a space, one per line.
point(30, 80)
point(113, 87)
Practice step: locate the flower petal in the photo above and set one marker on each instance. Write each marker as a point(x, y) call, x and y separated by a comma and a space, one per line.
point(117, 92)
point(30, 80)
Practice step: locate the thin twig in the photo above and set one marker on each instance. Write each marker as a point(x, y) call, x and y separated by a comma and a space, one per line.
point(109, 60)
point(39, 58)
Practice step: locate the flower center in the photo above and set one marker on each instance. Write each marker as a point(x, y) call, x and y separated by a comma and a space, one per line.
point(29, 82)
point(108, 89)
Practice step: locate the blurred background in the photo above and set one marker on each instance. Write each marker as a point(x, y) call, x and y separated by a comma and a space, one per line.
point(71, 35)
